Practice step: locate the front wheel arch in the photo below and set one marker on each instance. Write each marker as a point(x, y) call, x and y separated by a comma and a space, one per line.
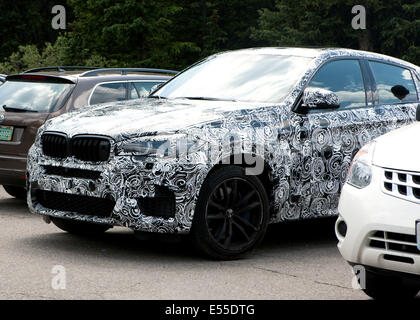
point(265, 177)
point(253, 220)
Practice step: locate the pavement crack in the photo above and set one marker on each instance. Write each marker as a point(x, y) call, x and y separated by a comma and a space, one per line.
point(307, 279)
point(28, 295)
point(332, 284)
point(278, 272)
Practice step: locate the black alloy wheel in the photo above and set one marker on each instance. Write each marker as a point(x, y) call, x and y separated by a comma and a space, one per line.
point(232, 214)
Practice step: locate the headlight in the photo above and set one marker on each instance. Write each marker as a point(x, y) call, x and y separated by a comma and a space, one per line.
point(360, 171)
point(159, 146)
point(148, 148)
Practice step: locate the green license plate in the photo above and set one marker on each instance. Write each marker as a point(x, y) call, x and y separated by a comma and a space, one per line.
point(6, 133)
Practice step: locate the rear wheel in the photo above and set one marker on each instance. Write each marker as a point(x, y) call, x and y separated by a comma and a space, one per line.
point(16, 192)
point(80, 227)
point(231, 216)
point(382, 287)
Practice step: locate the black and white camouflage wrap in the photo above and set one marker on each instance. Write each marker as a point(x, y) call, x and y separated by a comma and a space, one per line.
point(312, 97)
point(308, 156)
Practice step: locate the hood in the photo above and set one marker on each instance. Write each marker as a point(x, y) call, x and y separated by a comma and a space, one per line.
point(142, 117)
point(399, 149)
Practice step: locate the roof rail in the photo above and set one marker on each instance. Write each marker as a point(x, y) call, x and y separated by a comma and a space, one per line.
point(125, 70)
point(59, 69)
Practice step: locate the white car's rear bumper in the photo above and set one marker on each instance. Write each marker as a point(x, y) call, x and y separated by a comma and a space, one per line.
point(380, 227)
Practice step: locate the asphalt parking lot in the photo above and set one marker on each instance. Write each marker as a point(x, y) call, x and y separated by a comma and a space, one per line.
point(296, 261)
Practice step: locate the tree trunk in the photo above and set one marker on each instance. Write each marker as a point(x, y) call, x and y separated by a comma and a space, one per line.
point(365, 42)
point(203, 6)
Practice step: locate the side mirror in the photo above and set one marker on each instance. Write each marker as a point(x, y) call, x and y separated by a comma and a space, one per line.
point(318, 98)
point(418, 112)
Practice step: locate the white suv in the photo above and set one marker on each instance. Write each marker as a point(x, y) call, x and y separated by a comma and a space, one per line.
point(379, 214)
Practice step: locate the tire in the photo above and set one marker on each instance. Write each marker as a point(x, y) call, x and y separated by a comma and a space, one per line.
point(16, 192)
point(79, 227)
point(380, 287)
point(231, 215)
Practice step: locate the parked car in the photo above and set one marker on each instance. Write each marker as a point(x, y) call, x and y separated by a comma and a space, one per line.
point(2, 78)
point(27, 100)
point(237, 141)
point(379, 223)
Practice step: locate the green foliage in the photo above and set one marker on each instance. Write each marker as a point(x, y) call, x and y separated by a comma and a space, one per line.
point(174, 34)
point(26, 57)
point(129, 32)
point(29, 56)
point(393, 27)
point(25, 22)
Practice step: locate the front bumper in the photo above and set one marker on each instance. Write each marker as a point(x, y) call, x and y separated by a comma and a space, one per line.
point(380, 228)
point(126, 181)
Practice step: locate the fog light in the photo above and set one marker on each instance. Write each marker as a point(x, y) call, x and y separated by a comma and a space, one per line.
point(342, 228)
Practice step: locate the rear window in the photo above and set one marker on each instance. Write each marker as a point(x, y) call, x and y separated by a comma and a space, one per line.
point(34, 96)
point(394, 84)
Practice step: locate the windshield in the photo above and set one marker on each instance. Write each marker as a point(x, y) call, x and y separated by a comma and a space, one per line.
point(32, 96)
point(239, 77)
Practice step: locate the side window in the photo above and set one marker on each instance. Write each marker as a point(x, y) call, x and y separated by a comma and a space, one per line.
point(108, 92)
point(141, 89)
point(394, 84)
point(344, 78)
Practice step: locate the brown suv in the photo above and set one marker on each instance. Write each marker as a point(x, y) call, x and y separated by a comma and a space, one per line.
point(28, 99)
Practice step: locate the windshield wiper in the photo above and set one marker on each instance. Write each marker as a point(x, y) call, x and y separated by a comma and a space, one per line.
point(205, 98)
point(12, 109)
point(156, 97)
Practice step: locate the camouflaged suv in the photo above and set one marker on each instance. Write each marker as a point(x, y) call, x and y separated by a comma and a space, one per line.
point(237, 141)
